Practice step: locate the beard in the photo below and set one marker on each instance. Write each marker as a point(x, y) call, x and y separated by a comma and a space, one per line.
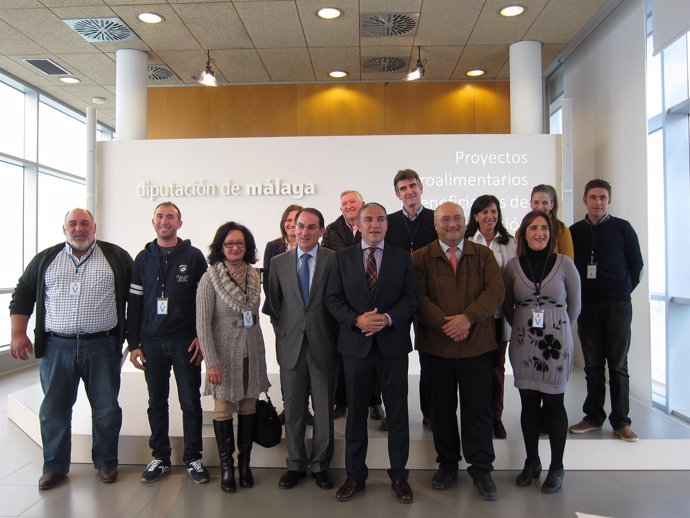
point(80, 246)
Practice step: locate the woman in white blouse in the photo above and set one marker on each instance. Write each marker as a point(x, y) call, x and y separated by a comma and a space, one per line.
point(485, 226)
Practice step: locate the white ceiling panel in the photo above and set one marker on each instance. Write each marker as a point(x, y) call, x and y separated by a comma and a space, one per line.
point(288, 64)
point(272, 24)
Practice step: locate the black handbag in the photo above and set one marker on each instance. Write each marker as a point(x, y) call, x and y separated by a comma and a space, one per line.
point(267, 429)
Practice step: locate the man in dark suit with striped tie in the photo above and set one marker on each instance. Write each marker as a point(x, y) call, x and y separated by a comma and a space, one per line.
point(372, 292)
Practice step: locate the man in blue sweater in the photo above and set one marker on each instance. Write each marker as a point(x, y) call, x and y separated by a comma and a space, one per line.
point(608, 258)
point(161, 331)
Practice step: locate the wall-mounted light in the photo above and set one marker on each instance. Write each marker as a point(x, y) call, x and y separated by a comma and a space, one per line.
point(329, 13)
point(475, 73)
point(151, 18)
point(338, 74)
point(207, 76)
point(511, 10)
point(419, 70)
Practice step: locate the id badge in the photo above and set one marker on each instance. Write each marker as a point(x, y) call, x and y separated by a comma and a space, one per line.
point(248, 318)
point(162, 306)
point(538, 319)
point(592, 271)
point(74, 288)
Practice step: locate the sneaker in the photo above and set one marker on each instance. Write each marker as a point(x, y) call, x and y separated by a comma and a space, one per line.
point(626, 433)
point(155, 470)
point(584, 426)
point(197, 471)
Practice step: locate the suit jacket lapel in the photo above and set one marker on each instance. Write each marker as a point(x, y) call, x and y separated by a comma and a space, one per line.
point(292, 285)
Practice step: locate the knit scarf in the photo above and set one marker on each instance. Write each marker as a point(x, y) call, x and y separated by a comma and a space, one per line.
point(229, 290)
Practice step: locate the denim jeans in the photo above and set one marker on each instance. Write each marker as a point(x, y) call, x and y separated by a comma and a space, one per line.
point(604, 331)
point(97, 363)
point(160, 358)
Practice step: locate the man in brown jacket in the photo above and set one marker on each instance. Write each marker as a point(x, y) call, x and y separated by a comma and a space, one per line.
point(461, 288)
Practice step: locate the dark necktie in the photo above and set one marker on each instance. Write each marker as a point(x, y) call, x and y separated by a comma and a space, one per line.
point(303, 277)
point(372, 274)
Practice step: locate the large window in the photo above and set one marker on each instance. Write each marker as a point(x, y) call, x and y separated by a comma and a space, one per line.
point(42, 174)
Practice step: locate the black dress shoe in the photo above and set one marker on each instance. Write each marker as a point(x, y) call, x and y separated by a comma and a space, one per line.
point(324, 479)
point(376, 413)
point(403, 491)
point(108, 474)
point(443, 478)
point(339, 411)
point(427, 422)
point(348, 489)
point(499, 429)
point(531, 471)
point(50, 480)
point(553, 481)
point(485, 486)
point(290, 479)
point(383, 425)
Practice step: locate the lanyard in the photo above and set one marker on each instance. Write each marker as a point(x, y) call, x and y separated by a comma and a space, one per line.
point(593, 229)
point(409, 222)
point(537, 285)
point(77, 263)
point(163, 272)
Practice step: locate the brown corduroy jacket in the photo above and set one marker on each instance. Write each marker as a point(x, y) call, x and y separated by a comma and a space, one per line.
point(475, 290)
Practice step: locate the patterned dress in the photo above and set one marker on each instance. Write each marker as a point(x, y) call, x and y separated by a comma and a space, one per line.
point(542, 358)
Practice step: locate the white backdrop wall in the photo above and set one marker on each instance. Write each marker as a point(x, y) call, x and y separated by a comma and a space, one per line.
point(605, 78)
point(216, 180)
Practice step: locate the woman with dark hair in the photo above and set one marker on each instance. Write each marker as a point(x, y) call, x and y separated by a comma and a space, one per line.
point(485, 226)
point(286, 242)
point(542, 301)
point(544, 198)
point(227, 324)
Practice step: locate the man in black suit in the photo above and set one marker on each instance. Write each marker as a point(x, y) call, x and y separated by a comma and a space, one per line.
point(372, 292)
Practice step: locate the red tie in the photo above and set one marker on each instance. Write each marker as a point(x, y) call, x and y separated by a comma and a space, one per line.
point(372, 274)
point(453, 257)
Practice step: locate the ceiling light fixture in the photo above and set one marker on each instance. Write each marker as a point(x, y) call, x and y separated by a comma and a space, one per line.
point(329, 13)
point(511, 10)
point(338, 74)
point(98, 100)
point(150, 18)
point(419, 69)
point(207, 76)
point(70, 80)
point(475, 73)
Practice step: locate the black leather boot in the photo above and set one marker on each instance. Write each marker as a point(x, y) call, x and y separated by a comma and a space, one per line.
point(225, 437)
point(245, 439)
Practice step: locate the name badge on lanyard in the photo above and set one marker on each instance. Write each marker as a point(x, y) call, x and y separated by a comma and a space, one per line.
point(247, 318)
point(538, 318)
point(162, 306)
point(75, 288)
point(592, 271)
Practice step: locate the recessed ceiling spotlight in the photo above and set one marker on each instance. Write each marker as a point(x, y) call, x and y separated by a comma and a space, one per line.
point(150, 18)
point(329, 13)
point(338, 74)
point(475, 73)
point(70, 80)
point(98, 100)
point(511, 10)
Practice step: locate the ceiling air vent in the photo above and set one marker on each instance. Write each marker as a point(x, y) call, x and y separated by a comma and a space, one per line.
point(387, 25)
point(48, 67)
point(384, 64)
point(99, 30)
point(160, 73)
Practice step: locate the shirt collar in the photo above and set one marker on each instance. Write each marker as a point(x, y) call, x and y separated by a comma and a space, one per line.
point(445, 247)
point(413, 216)
point(602, 220)
point(311, 252)
point(70, 252)
point(365, 246)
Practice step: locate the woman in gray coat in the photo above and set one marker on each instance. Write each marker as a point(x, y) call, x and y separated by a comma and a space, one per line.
point(227, 324)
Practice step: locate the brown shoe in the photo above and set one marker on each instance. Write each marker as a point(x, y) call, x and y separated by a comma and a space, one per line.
point(626, 433)
point(348, 489)
point(403, 491)
point(50, 480)
point(584, 426)
point(108, 474)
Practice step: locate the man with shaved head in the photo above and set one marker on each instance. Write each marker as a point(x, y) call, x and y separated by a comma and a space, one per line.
point(80, 291)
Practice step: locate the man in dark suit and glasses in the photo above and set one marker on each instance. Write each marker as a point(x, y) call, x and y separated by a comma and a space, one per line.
point(305, 345)
point(372, 292)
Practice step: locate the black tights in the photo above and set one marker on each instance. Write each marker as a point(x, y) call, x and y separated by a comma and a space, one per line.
point(557, 419)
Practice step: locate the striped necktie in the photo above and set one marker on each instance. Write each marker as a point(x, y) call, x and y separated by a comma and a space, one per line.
point(372, 274)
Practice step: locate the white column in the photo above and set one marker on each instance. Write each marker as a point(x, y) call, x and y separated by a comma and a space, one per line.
point(91, 160)
point(131, 81)
point(526, 88)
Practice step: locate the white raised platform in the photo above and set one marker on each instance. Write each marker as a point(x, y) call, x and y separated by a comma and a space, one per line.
point(664, 441)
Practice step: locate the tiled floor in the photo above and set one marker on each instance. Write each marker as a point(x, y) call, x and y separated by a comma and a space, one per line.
point(620, 494)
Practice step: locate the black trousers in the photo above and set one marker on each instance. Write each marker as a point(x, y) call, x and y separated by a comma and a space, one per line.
point(361, 375)
point(471, 378)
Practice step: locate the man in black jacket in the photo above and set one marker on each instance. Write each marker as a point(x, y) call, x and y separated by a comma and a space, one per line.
point(80, 290)
point(161, 331)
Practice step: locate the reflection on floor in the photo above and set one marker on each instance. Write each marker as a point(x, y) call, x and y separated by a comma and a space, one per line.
point(619, 494)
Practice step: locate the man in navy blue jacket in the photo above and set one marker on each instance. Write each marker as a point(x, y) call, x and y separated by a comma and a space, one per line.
point(161, 331)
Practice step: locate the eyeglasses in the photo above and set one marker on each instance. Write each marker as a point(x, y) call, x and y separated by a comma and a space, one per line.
point(233, 244)
point(455, 219)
